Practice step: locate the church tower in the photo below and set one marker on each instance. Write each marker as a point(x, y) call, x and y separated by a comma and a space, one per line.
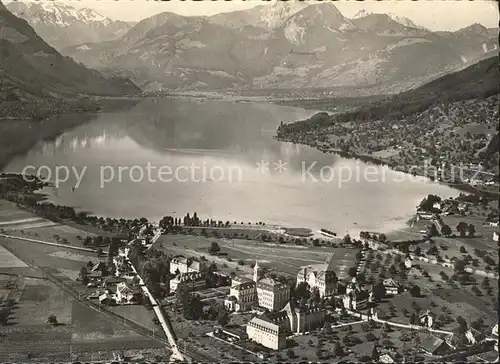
point(256, 272)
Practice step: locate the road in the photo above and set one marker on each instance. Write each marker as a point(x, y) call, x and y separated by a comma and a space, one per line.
point(187, 352)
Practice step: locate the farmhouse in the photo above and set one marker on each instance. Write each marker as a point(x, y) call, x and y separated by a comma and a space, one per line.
point(392, 287)
point(427, 319)
point(474, 336)
point(321, 276)
point(434, 345)
point(126, 294)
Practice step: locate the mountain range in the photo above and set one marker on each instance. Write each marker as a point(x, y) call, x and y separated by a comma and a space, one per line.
point(30, 68)
point(62, 25)
point(287, 45)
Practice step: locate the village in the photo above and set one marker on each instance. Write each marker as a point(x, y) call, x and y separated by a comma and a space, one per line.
point(260, 316)
point(208, 290)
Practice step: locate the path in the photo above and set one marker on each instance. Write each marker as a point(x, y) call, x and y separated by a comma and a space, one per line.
point(66, 246)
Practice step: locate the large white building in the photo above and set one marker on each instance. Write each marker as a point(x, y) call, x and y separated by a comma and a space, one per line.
point(182, 264)
point(242, 295)
point(266, 333)
point(320, 276)
point(264, 292)
point(271, 329)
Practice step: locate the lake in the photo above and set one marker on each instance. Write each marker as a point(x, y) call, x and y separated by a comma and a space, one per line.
point(219, 158)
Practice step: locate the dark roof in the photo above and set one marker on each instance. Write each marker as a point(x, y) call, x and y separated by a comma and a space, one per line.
point(431, 343)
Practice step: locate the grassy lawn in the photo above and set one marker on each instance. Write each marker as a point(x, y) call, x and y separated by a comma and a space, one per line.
point(284, 259)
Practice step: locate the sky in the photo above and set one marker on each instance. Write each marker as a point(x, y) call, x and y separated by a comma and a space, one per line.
point(432, 14)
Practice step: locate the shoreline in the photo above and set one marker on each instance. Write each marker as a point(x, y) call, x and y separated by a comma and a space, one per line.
point(24, 133)
point(463, 187)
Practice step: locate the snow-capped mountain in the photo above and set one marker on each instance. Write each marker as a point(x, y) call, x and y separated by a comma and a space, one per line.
point(30, 68)
point(281, 45)
point(62, 25)
point(275, 15)
point(399, 19)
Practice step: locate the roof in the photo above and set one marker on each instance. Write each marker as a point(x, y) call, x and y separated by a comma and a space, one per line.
point(265, 322)
point(427, 313)
point(431, 343)
point(270, 284)
point(390, 282)
point(244, 285)
point(97, 266)
point(124, 288)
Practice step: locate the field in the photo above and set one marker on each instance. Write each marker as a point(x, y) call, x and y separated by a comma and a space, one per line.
point(283, 259)
point(81, 332)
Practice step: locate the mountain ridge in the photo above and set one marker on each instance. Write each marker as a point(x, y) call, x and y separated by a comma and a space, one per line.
point(31, 68)
point(62, 25)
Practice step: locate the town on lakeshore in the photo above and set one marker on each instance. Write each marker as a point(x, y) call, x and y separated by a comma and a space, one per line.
point(94, 275)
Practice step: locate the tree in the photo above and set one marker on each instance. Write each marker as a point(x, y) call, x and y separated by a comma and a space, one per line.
point(290, 353)
point(459, 266)
point(4, 315)
point(418, 251)
point(374, 353)
point(337, 350)
point(446, 230)
point(382, 238)
point(352, 271)
point(463, 326)
point(223, 318)
point(52, 319)
point(347, 239)
point(472, 230)
point(462, 250)
point(415, 291)
point(379, 291)
point(462, 228)
point(214, 248)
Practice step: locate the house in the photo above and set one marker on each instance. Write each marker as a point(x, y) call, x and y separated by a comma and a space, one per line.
point(320, 276)
point(392, 287)
point(123, 252)
point(495, 236)
point(474, 336)
point(191, 281)
point(494, 331)
point(126, 294)
point(181, 264)
point(106, 299)
point(434, 345)
point(408, 262)
point(427, 319)
point(266, 333)
point(493, 223)
point(111, 281)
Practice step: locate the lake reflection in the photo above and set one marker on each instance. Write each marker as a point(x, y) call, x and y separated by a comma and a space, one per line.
point(224, 164)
